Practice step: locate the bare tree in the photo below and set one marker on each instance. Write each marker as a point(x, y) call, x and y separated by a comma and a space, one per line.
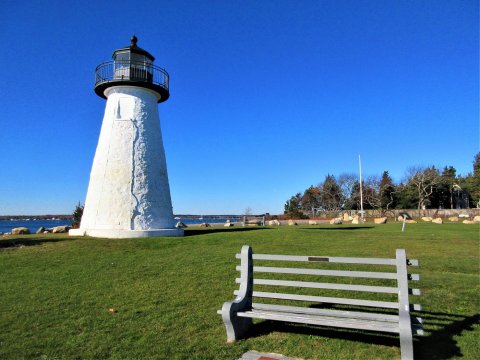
point(379, 192)
point(424, 180)
point(347, 182)
point(372, 194)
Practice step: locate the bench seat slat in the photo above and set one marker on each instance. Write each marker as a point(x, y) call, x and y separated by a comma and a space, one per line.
point(332, 286)
point(327, 312)
point(344, 273)
point(323, 320)
point(320, 299)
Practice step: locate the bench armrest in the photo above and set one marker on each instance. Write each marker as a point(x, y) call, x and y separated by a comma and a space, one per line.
point(237, 326)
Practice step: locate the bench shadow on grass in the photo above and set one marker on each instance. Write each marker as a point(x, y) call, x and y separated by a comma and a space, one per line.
point(340, 228)
point(437, 343)
point(201, 231)
point(11, 242)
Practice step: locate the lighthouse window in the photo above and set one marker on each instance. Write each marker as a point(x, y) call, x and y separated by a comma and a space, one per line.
point(125, 56)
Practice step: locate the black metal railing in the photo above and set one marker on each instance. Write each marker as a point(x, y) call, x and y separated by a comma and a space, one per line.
point(113, 71)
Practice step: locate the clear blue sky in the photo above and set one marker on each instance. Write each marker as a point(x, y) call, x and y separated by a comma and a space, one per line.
point(267, 97)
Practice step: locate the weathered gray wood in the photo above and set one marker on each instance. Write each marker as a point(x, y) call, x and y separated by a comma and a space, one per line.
point(415, 291)
point(327, 312)
point(414, 277)
point(405, 326)
point(416, 307)
point(345, 273)
point(402, 323)
point(412, 262)
point(332, 286)
point(342, 260)
point(322, 299)
point(323, 320)
point(236, 326)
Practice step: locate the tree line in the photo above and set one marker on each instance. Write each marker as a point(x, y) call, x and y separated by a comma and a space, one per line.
point(422, 188)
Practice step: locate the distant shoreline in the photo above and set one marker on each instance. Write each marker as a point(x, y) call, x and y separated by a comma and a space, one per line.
point(38, 217)
point(69, 217)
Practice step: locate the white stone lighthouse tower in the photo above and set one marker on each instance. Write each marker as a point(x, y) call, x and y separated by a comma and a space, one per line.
point(128, 193)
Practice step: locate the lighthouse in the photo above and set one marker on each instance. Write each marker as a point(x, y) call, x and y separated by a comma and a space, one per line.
point(128, 194)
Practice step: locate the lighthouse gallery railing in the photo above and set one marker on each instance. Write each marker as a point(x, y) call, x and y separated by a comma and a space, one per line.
point(112, 71)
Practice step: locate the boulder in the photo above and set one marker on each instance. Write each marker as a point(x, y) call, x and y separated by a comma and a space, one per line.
point(292, 223)
point(382, 220)
point(464, 216)
point(336, 221)
point(411, 221)
point(469, 222)
point(40, 230)
point(437, 221)
point(180, 225)
point(274, 222)
point(347, 217)
point(453, 219)
point(400, 218)
point(312, 222)
point(20, 231)
point(356, 220)
point(205, 225)
point(61, 229)
point(476, 218)
point(427, 218)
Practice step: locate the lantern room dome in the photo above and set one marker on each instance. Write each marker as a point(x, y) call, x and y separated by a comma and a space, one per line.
point(132, 66)
point(133, 50)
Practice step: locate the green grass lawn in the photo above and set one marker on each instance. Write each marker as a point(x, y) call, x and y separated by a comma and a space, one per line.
point(55, 293)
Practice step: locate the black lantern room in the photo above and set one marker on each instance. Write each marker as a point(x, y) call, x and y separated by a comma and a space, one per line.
point(132, 66)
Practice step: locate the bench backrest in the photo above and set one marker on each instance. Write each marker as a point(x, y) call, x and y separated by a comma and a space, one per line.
point(326, 274)
point(253, 220)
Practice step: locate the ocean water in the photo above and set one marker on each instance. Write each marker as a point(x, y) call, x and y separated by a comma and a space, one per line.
point(34, 225)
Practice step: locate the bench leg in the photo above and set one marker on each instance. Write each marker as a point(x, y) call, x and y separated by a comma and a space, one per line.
point(236, 326)
point(406, 343)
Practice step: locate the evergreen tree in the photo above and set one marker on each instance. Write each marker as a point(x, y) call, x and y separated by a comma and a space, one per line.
point(443, 194)
point(471, 183)
point(387, 192)
point(293, 207)
point(77, 216)
point(311, 199)
point(354, 199)
point(331, 194)
point(406, 196)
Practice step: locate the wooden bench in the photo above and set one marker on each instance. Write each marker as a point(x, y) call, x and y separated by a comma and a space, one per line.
point(342, 312)
point(253, 221)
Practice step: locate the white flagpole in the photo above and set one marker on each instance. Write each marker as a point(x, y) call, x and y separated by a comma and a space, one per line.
point(361, 189)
